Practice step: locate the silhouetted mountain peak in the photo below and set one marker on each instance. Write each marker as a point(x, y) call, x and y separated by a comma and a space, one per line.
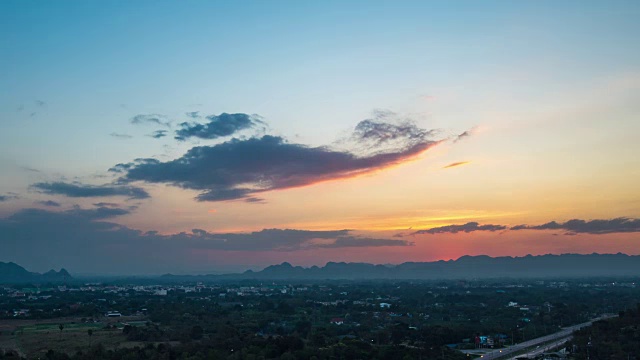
point(64, 272)
point(12, 273)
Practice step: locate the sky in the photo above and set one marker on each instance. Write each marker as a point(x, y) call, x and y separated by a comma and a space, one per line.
point(155, 137)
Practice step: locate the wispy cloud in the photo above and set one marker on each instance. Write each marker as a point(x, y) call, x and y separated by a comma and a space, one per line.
point(32, 108)
point(386, 132)
point(466, 134)
point(350, 241)
point(158, 134)
point(459, 163)
point(466, 228)
point(29, 169)
point(120, 136)
point(157, 119)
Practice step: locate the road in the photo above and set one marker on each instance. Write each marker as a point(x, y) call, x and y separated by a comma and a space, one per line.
point(536, 344)
point(542, 349)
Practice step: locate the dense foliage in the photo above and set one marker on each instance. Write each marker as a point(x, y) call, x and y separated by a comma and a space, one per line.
point(617, 338)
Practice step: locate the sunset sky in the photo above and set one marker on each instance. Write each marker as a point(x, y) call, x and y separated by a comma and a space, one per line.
point(150, 137)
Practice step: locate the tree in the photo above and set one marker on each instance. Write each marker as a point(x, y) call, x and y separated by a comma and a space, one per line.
point(196, 332)
point(90, 333)
point(61, 327)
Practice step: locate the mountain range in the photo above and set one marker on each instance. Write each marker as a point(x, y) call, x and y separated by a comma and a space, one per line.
point(14, 273)
point(466, 267)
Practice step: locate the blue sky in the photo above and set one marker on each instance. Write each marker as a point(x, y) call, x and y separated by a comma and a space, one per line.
point(548, 82)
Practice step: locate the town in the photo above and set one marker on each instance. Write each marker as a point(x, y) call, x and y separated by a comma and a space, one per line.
point(305, 319)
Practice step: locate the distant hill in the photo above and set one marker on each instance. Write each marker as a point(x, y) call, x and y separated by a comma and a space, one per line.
point(14, 273)
point(466, 267)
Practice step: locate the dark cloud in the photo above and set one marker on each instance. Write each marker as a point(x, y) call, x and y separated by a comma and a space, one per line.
point(98, 213)
point(85, 240)
point(75, 214)
point(156, 119)
point(120, 136)
point(254, 200)
point(264, 240)
point(122, 168)
point(217, 126)
point(599, 226)
point(158, 134)
point(106, 204)
point(350, 241)
point(241, 169)
point(193, 114)
point(571, 227)
point(9, 196)
point(467, 228)
point(224, 194)
point(459, 163)
point(49, 203)
point(519, 227)
point(82, 190)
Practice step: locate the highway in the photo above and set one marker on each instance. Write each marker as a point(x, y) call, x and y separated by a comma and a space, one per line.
point(542, 349)
point(535, 345)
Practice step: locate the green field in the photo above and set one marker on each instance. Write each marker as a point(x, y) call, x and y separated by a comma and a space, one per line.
point(34, 339)
point(73, 327)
